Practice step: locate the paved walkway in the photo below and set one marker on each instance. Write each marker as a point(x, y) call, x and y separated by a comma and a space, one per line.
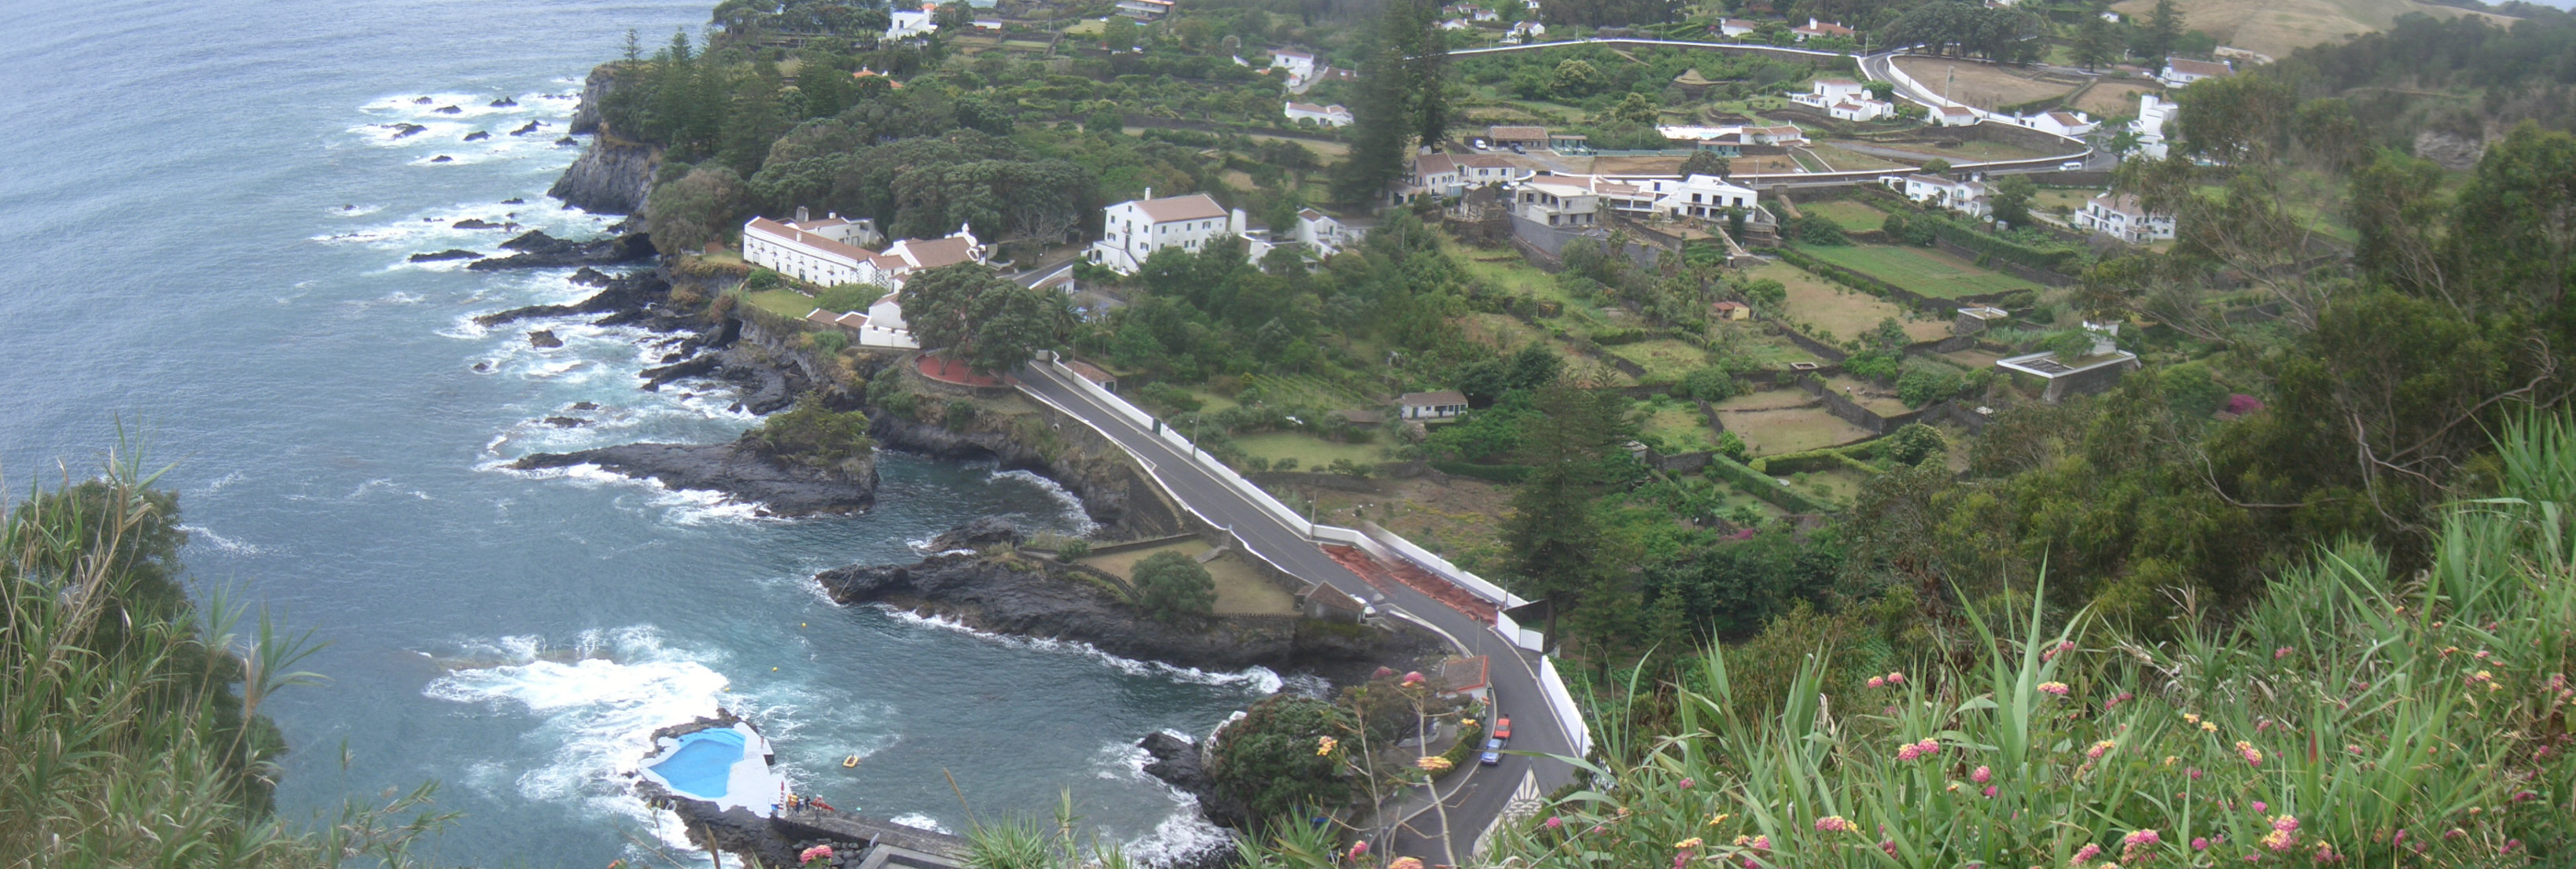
point(941, 369)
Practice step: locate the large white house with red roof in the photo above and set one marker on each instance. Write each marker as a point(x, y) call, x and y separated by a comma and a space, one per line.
point(1133, 230)
point(827, 251)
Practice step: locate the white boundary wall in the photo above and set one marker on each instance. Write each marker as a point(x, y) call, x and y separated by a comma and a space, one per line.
point(1562, 701)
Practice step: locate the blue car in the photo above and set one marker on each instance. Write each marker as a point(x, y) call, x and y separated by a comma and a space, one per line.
point(1493, 753)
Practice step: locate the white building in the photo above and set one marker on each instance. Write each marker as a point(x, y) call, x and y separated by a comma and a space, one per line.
point(2068, 124)
point(1953, 116)
point(1325, 235)
point(1557, 203)
point(1861, 110)
point(1828, 91)
point(1300, 65)
point(1144, 10)
point(1135, 229)
point(1330, 116)
point(2153, 113)
point(2120, 216)
point(1454, 24)
point(2182, 71)
point(910, 24)
point(1820, 28)
point(1707, 196)
point(1428, 406)
point(1736, 28)
point(1444, 174)
point(1965, 197)
point(1525, 31)
point(827, 251)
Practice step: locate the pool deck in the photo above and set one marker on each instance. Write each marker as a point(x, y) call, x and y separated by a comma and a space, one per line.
point(749, 784)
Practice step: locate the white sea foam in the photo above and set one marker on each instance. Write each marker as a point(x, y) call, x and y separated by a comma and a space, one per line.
point(1259, 679)
point(201, 534)
point(919, 821)
point(594, 713)
point(680, 506)
point(1185, 833)
point(1073, 511)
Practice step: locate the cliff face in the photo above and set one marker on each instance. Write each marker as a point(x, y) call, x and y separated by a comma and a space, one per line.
point(1114, 493)
point(613, 174)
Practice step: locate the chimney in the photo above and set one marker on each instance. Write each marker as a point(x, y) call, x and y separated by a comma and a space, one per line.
point(800, 214)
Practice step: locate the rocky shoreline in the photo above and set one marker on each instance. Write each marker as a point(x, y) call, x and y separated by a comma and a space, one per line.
point(745, 469)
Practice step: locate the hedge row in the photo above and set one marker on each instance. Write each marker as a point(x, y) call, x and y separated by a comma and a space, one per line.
point(1827, 459)
point(1496, 473)
point(1846, 277)
point(1761, 485)
point(1950, 229)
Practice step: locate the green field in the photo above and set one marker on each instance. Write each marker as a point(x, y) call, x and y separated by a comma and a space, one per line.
point(1680, 427)
point(1310, 451)
point(1665, 359)
point(785, 303)
point(1920, 269)
point(1772, 432)
point(1841, 311)
point(1847, 214)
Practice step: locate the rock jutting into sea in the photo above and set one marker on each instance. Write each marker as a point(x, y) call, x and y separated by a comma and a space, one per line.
point(448, 254)
point(745, 469)
point(537, 250)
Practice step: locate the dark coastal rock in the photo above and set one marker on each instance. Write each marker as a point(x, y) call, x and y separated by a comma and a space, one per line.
point(612, 176)
point(449, 254)
point(536, 249)
point(544, 338)
point(567, 141)
point(514, 201)
point(567, 421)
point(442, 158)
point(529, 127)
point(448, 110)
point(1176, 762)
point(745, 469)
point(477, 136)
point(589, 277)
point(475, 223)
point(984, 531)
point(407, 130)
point(594, 94)
point(1023, 596)
point(504, 102)
point(420, 101)
point(584, 405)
point(630, 293)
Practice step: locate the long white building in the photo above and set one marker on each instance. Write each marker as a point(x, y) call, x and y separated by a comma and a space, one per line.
point(827, 251)
point(1135, 229)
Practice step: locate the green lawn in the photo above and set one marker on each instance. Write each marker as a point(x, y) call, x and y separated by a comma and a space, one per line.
point(1842, 312)
point(1310, 451)
point(1847, 214)
point(1680, 427)
point(1922, 270)
point(785, 303)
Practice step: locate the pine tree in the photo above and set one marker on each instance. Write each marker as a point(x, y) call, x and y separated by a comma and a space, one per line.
point(2094, 44)
point(2164, 30)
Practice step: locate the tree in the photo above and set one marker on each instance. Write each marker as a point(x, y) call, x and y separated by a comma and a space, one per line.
point(1705, 163)
point(1012, 323)
point(2095, 44)
point(1172, 587)
point(2164, 30)
point(1915, 442)
point(1557, 544)
point(702, 206)
point(1635, 108)
point(1576, 79)
point(1274, 761)
point(816, 435)
point(939, 304)
point(1935, 166)
point(2011, 199)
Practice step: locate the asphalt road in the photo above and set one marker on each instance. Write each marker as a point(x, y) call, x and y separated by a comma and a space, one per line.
point(1470, 799)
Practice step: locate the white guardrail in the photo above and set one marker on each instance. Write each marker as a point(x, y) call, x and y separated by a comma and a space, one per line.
point(1376, 541)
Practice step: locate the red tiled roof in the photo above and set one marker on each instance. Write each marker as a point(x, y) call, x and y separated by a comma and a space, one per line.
point(800, 237)
point(1196, 206)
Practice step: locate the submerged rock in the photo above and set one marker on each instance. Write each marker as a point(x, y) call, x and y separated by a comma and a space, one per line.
point(448, 110)
point(567, 421)
point(406, 130)
point(536, 249)
point(475, 223)
point(529, 127)
point(514, 201)
point(745, 469)
point(589, 277)
point(544, 338)
point(449, 254)
point(477, 136)
point(504, 102)
point(984, 531)
point(442, 158)
point(632, 293)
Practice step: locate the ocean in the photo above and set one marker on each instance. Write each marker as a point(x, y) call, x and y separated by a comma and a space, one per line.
point(206, 214)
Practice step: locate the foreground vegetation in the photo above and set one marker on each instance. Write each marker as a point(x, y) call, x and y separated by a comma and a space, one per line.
point(130, 732)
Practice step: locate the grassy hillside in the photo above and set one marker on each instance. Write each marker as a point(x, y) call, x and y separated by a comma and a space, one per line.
point(2276, 27)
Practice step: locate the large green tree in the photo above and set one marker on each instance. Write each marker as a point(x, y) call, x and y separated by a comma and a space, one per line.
point(1173, 587)
point(1568, 442)
point(1271, 762)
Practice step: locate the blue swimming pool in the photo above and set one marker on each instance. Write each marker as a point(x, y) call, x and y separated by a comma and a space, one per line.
point(703, 763)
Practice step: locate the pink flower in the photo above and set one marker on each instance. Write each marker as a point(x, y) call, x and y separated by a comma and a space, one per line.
point(1878, 681)
point(2396, 840)
point(2100, 748)
point(2258, 806)
point(1382, 672)
point(1896, 678)
point(1413, 678)
point(1990, 792)
point(1887, 845)
point(1981, 775)
point(1553, 822)
point(2282, 652)
point(2054, 688)
point(2253, 756)
point(2063, 647)
point(1908, 752)
point(2125, 696)
point(2141, 837)
point(1761, 843)
point(1358, 850)
point(818, 852)
point(2192, 771)
point(1928, 745)
point(2085, 854)
point(1832, 824)
point(2199, 844)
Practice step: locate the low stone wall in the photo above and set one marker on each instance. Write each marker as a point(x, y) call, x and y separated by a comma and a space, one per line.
point(2033, 275)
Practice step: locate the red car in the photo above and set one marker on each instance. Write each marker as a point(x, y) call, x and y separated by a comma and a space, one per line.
point(1502, 728)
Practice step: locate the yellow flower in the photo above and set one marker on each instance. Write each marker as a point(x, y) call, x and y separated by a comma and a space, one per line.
point(1432, 763)
point(1324, 745)
point(1714, 820)
point(2191, 718)
point(2170, 759)
point(2209, 727)
point(1687, 844)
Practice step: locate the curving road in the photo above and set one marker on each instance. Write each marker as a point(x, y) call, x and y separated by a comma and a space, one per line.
point(1469, 800)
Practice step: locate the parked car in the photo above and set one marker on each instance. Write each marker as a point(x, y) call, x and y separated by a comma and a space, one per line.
point(1493, 753)
point(2072, 166)
point(1502, 728)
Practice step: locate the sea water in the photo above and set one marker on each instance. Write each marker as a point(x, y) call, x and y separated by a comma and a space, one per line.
point(204, 223)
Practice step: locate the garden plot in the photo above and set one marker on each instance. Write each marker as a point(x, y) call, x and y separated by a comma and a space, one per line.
point(1870, 396)
point(1844, 312)
point(1241, 589)
point(1920, 269)
point(1846, 214)
point(1772, 432)
point(1665, 359)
